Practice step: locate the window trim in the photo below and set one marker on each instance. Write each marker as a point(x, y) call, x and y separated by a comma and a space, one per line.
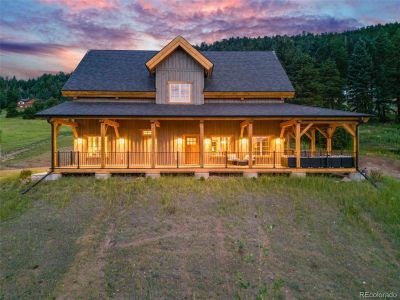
point(268, 152)
point(190, 83)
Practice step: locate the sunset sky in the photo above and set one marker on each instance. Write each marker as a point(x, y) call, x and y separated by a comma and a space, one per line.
point(47, 36)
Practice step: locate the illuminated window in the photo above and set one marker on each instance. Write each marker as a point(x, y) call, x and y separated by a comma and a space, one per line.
point(180, 92)
point(220, 143)
point(94, 145)
point(146, 132)
point(260, 145)
point(191, 141)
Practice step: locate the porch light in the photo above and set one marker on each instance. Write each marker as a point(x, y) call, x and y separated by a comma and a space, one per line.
point(179, 141)
point(278, 141)
point(121, 141)
point(244, 141)
point(79, 140)
point(207, 141)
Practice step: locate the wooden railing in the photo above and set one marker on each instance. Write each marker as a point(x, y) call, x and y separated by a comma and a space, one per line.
point(286, 159)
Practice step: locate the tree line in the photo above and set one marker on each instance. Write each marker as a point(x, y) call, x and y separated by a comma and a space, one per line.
point(46, 90)
point(355, 70)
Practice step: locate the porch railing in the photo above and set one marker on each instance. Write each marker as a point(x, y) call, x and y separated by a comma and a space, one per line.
point(285, 159)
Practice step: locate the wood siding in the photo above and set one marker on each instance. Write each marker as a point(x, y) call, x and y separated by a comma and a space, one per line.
point(179, 66)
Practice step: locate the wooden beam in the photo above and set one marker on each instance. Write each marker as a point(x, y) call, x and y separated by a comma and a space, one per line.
point(201, 143)
point(298, 139)
point(75, 132)
point(329, 140)
point(248, 95)
point(349, 129)
point(288, 123)
point(250, 128)
point(322, 132)
point(244, 124)
point(108, 94)
point(103, 144)
point(153, 144)
point(312, 142)
point(306, 129)
point(308, 135)
point(282, 132)
point(54, 141)
point(110, 123)
point(65, 122)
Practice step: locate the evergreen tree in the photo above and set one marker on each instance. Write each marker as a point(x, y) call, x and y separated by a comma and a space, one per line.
point(360, 79)
point(394, 72)
point(331, 85)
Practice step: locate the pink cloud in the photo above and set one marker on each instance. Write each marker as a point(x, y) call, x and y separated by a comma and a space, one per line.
point(78, 5)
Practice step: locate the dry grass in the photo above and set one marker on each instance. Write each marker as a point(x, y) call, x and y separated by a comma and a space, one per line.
point(175, 238)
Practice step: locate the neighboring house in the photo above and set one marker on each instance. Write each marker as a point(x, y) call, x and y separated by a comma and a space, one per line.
point(25, 103)
point(181, 110)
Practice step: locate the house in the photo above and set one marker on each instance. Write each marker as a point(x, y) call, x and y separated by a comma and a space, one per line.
point(182, 110)
point(25, 103)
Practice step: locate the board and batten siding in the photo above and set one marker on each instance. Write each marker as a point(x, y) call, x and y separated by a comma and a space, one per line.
point(180, 67)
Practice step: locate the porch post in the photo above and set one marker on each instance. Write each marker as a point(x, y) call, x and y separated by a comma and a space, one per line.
point(250, 144)
point(329, 140)
point(298, 165)
point(153, 143)
point(103, 144)
point(201, 143)
point(356, 145)
point(53, 145)
point(312, 142)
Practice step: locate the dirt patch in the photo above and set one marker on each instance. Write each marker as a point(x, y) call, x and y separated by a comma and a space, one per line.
point(85, 277)
point(387, 166)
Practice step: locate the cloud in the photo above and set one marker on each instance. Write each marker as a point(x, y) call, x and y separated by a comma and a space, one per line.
point(78, 5)
point(29, 48)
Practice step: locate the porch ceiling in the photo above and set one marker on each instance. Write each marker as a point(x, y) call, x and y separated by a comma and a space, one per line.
point(75, 109)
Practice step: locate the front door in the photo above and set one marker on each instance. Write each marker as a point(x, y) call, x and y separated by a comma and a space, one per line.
point(192, 150)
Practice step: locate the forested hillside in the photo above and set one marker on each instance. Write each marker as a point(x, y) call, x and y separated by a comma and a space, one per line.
point(356, 70)
point(46, 89)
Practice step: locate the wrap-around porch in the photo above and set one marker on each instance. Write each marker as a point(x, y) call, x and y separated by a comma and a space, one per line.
point(129, 145)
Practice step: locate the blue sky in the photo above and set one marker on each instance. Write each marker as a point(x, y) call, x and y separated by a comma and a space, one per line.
point(48, 36)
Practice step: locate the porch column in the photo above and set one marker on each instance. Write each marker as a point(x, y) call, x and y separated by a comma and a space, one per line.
point(329, 140)
point(298, 138)
point(103, 144)
point(153, 143)
point(54, 127)
point(201, 143)
point(312, 142)
point(250, 144)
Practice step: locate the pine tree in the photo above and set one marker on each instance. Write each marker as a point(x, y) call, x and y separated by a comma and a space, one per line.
point(360, 79)
point(331, 85)
point(394, 72)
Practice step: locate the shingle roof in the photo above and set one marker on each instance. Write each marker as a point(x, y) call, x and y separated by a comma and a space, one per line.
point(125, 70)
point(126, 109)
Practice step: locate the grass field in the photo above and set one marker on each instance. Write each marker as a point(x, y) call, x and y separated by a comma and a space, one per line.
point(17, 133)
point(380, 139)
point(175, 238)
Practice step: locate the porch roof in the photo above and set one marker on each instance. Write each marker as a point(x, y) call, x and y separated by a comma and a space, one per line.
point(76, 109)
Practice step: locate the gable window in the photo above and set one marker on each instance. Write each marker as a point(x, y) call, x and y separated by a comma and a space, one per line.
point(180, 92)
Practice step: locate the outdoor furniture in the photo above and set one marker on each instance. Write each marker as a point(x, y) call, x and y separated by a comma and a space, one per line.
point(321, 161)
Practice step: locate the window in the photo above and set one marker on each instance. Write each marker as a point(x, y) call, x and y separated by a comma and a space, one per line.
point(220, 143)
point(94, 145)
point(180, 92)
point(191, 141)
point(260, 145)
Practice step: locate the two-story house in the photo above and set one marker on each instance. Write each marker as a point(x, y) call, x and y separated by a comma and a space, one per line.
point(182, 110)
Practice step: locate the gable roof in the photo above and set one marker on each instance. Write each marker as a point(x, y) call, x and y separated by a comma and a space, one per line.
point(179, 42)
point(126, 71)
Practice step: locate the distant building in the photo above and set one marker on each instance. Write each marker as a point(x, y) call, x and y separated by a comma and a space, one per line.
point(25, 103)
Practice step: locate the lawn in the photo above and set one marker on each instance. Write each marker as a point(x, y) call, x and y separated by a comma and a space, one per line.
point(177, 237)
point(380, 140)
point(17, 133)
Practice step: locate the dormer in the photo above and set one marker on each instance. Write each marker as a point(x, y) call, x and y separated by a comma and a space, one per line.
point(179, 71)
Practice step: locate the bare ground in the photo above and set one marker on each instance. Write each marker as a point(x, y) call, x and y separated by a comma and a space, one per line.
point(386, 165)
point(218, 239)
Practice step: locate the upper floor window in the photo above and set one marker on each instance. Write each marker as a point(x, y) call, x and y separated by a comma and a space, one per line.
point(180, 92)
